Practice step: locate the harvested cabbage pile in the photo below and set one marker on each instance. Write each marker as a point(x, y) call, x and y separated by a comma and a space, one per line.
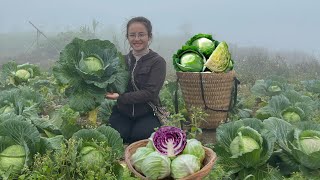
point(172, 155)
point(202, 53)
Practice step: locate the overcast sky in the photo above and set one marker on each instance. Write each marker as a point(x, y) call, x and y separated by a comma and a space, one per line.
point(274, 24)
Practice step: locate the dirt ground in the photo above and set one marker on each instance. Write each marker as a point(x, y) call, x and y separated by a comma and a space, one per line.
point(207, 136)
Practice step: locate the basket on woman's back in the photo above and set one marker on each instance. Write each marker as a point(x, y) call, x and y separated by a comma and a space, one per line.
point(210, 91)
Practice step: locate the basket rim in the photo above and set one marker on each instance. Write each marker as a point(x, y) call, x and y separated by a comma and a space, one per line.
point(233, 72)
point(203, 169)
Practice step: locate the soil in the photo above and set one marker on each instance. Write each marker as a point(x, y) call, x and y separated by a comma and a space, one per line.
point(208, 136)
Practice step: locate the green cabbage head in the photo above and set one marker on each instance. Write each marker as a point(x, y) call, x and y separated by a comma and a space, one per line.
point(245, 146)
point(91, 157)
point(306, 144)
point(138, 157)
point(310, 145)
point(150, 142)
point(242, 145)
point(89, 68)
point(194, 147)
point(188, 59)
point(274, 88)
point(22, 74)
point(91, 64)
point(244, 142)
point(293, 114)
point(300, 141)
point(6, 109)
point(191, 62)
point(184, 165)
point(205, 45)
point(219, 59)
point(156, 166)
point(13, 157)
point(309, 141)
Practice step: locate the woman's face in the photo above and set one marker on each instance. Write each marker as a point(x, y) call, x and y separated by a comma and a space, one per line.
point(138, 36)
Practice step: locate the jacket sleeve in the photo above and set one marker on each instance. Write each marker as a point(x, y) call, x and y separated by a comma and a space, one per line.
point(150, 90)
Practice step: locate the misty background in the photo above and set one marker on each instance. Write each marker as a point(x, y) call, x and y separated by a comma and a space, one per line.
point(275, 29)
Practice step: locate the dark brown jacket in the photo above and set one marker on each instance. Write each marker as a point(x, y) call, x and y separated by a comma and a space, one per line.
point(149, 75)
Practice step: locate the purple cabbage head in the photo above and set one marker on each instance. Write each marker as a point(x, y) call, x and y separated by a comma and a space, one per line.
point(169, 141)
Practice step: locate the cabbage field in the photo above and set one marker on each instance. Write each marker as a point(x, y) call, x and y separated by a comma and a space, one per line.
point(54, 120)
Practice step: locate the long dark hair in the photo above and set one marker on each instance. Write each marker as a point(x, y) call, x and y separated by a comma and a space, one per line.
point(142, 20)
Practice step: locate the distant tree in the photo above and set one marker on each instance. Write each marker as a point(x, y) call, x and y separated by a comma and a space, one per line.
point(94, 25)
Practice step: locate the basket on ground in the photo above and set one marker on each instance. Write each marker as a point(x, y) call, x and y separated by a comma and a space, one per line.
point(210, 91)
point(207, 165)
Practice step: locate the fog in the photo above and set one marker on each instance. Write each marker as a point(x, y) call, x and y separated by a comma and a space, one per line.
point(286, 26)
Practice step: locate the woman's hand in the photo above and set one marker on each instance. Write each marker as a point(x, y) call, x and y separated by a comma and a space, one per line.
point(112, 96)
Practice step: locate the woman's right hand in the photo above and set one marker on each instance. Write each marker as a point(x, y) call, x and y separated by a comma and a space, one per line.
point(112, 96)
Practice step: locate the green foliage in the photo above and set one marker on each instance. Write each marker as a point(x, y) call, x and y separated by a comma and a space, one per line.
point(23, 101)
point(269, 87)
point(246, 157)
point(48, 88)
point(20, 136)
point(284, 105)
point(105, 110)
point(243, 108)
point(18, 74)
point(102, 134)
point(86, 89)
point(217, 172)
point(197, 116)
point(170, 94)
point(300, 143)
point(89, 154)
point(65, 119)
point(66, 164)
point(312, 85)
point(316, 116)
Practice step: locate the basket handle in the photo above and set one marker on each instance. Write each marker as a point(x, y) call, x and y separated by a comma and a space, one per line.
point(235, 93)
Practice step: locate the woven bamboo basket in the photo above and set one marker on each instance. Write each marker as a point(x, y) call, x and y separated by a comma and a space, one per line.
point(217, 90)
point(207, 165)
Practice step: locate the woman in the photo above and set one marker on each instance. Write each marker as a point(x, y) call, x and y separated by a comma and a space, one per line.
point(133, 117)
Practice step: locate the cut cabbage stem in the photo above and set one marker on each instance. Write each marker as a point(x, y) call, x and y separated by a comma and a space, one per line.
point(171, 148)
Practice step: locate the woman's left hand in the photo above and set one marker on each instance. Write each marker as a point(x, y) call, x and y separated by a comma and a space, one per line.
point(112, 96)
